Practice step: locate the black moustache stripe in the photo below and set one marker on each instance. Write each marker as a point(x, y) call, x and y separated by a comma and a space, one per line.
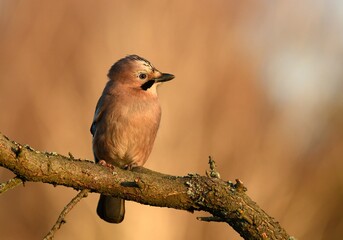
point(145, 86)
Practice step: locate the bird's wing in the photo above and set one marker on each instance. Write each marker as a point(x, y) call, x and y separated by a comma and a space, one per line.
point(97, 115)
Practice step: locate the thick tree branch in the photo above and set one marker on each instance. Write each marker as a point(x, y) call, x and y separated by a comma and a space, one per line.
point(223, 200)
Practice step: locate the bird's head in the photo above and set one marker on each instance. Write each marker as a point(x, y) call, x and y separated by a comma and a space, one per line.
point(137, 72)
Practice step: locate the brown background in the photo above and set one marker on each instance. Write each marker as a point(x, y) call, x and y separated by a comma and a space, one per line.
point(258, 86)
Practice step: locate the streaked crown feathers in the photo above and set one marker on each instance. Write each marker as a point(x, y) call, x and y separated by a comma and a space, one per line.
point(116, 67)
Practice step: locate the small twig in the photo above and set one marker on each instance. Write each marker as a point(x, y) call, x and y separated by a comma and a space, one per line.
point(71, 155)
point(240, 186)
point(213, 172)
point(83, 193)
point(12, 183)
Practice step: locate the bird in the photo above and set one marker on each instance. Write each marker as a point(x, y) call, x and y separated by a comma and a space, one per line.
point(126, 121)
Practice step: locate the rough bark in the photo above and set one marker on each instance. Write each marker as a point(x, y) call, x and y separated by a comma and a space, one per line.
point(227, 202)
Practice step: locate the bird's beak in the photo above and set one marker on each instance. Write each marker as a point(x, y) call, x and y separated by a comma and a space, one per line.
point(164, 77)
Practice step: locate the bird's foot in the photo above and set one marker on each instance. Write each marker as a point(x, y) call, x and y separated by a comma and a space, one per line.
point(130, 166)
point(105, 164)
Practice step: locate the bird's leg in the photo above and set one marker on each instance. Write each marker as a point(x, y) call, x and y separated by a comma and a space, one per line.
point(110, 166)
point(137, 181)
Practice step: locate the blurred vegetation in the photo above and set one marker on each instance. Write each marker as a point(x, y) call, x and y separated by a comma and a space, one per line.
point(258, 86)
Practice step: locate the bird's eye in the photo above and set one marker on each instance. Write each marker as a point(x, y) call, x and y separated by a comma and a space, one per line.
point(142, 76)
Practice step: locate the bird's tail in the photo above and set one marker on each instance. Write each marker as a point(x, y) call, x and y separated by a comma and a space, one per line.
point(111, 209)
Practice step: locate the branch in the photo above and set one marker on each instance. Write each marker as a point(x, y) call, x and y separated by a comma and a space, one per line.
point(61, 219)
point(222, 199)
point(12, 183)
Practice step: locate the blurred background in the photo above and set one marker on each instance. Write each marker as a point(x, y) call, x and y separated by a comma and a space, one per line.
point(258, 86)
